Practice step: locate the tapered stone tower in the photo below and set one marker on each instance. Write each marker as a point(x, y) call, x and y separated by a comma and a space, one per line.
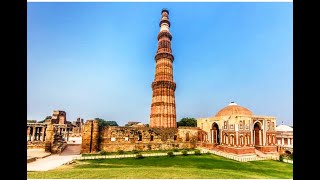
point(163, 106)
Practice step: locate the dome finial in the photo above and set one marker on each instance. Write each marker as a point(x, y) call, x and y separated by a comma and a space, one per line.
point(232, 103)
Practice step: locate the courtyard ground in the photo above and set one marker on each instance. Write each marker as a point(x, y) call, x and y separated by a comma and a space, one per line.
point(45, 161)
point(205, 166)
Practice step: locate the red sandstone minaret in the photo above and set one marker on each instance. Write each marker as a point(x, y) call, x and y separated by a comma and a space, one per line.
point(163, 106)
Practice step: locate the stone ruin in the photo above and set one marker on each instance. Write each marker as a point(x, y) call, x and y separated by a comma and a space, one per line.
point(113, 138)
point(53, 134)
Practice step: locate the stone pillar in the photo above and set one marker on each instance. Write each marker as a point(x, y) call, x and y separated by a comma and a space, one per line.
point(49, 137)
point(221, 137)
point(33, 133)
point(252, 137)
point(28, 133)
point(216, 136)
point(260, 137)
point(39, 133)
point(228, 140)
point(67, 134)
point(211, 134)
point(42, 133)
point(237, 136)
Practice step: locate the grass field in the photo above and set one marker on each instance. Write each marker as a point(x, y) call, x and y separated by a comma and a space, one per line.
point(205, 166)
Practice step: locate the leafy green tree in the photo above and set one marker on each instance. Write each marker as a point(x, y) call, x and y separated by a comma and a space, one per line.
point(31, 121)
point(191, 122)
point(48, 117)
point(103, 122)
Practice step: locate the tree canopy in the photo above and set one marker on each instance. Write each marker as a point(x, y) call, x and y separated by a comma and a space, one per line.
point(103, 122)
point(191, 122)
point(31, 121)
point(48, 117)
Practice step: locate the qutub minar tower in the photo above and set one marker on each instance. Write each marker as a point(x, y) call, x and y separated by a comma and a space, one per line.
point(163, 106)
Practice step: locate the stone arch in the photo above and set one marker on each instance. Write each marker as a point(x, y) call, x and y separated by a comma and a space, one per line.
point(273, 139)
point(226, 138)
point(232, 143)
point(242, 140)
point(215, 133)
point(257, 133)
point(247, 142)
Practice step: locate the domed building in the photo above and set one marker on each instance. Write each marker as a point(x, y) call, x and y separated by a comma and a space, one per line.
point(284, 135)
point(235, 129)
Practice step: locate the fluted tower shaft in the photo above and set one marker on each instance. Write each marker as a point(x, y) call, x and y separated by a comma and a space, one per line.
point(163, 106)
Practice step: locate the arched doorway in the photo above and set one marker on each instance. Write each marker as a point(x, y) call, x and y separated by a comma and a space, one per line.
point(215, 134)
point(257, 134)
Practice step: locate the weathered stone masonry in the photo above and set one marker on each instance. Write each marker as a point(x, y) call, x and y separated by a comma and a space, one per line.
point(112, 138)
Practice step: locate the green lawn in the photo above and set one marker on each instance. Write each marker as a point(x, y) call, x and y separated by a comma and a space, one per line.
point(204, 166)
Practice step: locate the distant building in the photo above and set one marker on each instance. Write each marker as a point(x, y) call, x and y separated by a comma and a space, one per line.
point(131, 123)
point(284, 136)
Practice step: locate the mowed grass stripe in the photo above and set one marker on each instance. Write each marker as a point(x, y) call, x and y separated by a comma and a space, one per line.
point(184, 167)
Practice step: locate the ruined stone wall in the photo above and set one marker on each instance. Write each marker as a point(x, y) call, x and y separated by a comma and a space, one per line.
point(90, 137)
point(49, 137)
point(113, 138)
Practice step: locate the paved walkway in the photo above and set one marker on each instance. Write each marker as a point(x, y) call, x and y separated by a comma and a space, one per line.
point(56, 160)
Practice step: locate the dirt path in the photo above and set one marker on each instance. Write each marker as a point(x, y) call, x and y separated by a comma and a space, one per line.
point(56, 160)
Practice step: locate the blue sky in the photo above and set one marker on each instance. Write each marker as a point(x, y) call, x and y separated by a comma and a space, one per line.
point(97, 59)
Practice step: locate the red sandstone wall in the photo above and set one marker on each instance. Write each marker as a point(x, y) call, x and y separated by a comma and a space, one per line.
point(90, 137)
point(267, 149)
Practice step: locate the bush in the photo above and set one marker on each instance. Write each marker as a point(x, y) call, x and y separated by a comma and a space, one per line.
point(120, 152)
point(281, 158)
point(184, 152)
point(170, 154)
point(291, 156)
point(103, 153)
point(139, 156)
point(197, 152)
point(175, 150)
point(135, 151)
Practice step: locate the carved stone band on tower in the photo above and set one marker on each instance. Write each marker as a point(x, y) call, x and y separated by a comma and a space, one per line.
point(163, 106)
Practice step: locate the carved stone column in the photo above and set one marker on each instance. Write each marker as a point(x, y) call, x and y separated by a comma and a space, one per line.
point(33, 133)
point(67, 134)
point(260, 137)
point(28, 133)
point(39, 133)
point(237, 136)
point(43, 134)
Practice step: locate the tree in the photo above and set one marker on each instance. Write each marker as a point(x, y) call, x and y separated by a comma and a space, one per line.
point(191, 122)
point(48, 117)
point(103, 122)
point(31, 121)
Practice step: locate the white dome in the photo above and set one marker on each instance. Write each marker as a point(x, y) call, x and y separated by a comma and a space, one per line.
point(283, 127)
